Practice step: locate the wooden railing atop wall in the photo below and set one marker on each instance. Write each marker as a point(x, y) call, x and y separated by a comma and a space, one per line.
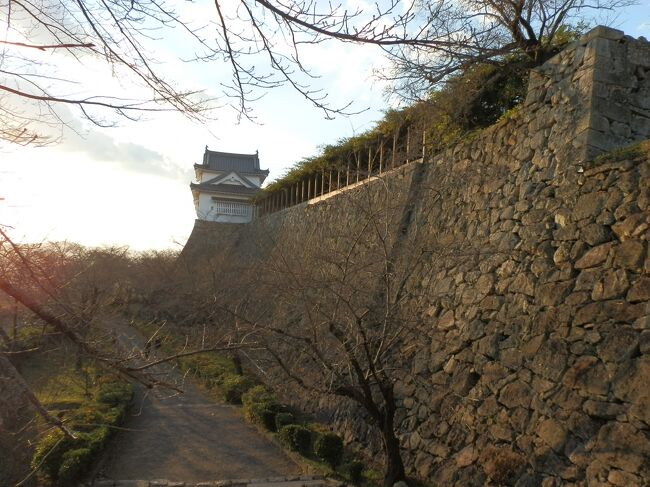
point(382, 155)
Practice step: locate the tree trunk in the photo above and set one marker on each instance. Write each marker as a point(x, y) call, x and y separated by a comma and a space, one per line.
point(394, 465)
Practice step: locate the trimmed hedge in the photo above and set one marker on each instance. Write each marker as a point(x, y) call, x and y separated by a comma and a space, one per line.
point(296, 437)
point(65, 459)
point(283, 419)
point(355, 471)
point(73, 465)
point(329, 447)
point(233, 386)
point(260, 406)
point(114, 393)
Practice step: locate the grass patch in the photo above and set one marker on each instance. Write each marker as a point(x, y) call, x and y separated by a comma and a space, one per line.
point(89, 403)
point(632, 151)
point(63, 460)
point(214, 373)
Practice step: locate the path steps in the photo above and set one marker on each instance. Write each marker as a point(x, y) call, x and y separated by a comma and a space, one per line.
point(290, 481)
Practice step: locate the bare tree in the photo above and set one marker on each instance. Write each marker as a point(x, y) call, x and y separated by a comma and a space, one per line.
point(335, 308)
point(71, 289)
point(458, 35)
point(263, 43)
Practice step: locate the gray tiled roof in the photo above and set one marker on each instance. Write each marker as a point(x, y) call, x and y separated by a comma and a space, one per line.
point(224, 188)
point(227, 161)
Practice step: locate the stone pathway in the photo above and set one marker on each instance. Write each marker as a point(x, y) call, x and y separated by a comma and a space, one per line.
point(188, 438)
point(289, 481)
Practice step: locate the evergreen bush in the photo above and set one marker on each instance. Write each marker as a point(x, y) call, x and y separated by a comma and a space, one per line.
point(283, 419)
point(62, 458)
point(296, 437)
point(260, 406)
point(233, 386)
point(74, 463)
point(268, 417)
point(114, 393)
point(355, 471)
point(329, 447)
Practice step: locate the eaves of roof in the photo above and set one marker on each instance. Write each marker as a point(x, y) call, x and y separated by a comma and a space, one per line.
point(259, 172)
point(223, 188)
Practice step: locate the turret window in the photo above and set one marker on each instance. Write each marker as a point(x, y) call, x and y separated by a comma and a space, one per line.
point(232, 208)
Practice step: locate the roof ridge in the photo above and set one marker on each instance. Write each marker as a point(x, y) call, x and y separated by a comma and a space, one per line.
point(236, 154)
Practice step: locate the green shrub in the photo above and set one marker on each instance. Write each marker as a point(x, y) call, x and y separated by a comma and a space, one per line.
point(259, 406)
point(73, 465)
point(114, 393)
point(257, 395)
point(96, 439)
point(268, 419)
point(53, 446)
point(90, 415)
point(329, 447)
point(64, 458)
point(355, 471)
point(233, 386)
point(283, 419)
point(296, 437)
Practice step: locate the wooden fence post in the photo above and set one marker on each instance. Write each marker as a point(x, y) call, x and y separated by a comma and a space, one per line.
point(392, 164)
point(424, 143)
point(381, 155)
point(358, 158)
point(408, 143)
point(347, 173)
point(369, 161)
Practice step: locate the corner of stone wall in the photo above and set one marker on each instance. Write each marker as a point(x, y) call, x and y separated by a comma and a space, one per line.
point(602, 82)
point(619, 109)
point(209, 239)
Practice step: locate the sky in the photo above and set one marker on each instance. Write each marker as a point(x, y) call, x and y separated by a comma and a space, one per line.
point(129, 184)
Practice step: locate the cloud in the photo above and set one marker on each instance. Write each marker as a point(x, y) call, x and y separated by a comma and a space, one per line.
point(135, 157)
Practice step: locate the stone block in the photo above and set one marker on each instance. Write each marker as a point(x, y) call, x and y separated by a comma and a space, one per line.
point(516, 393)
point(644, 341)
point(619, 345)
point(640, 290)
point(588, 376)
point(552, 433)
point(603, 409)
point(552, 293)
point(630, 226)
point(624, 479)
point(630, 254)
point(613, 284)
point(594, 256)
point(639, 54)
point(602, 32)
point(589, 205)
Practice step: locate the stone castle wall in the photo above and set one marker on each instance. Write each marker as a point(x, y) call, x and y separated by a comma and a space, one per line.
point(534, 343)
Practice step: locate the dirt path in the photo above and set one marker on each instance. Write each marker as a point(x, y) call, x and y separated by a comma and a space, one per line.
point(189, 438)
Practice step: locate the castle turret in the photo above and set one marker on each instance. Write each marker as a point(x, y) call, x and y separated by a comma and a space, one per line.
point(225, 186)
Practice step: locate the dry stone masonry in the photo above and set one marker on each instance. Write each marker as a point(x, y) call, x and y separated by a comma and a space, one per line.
point(533, 362)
